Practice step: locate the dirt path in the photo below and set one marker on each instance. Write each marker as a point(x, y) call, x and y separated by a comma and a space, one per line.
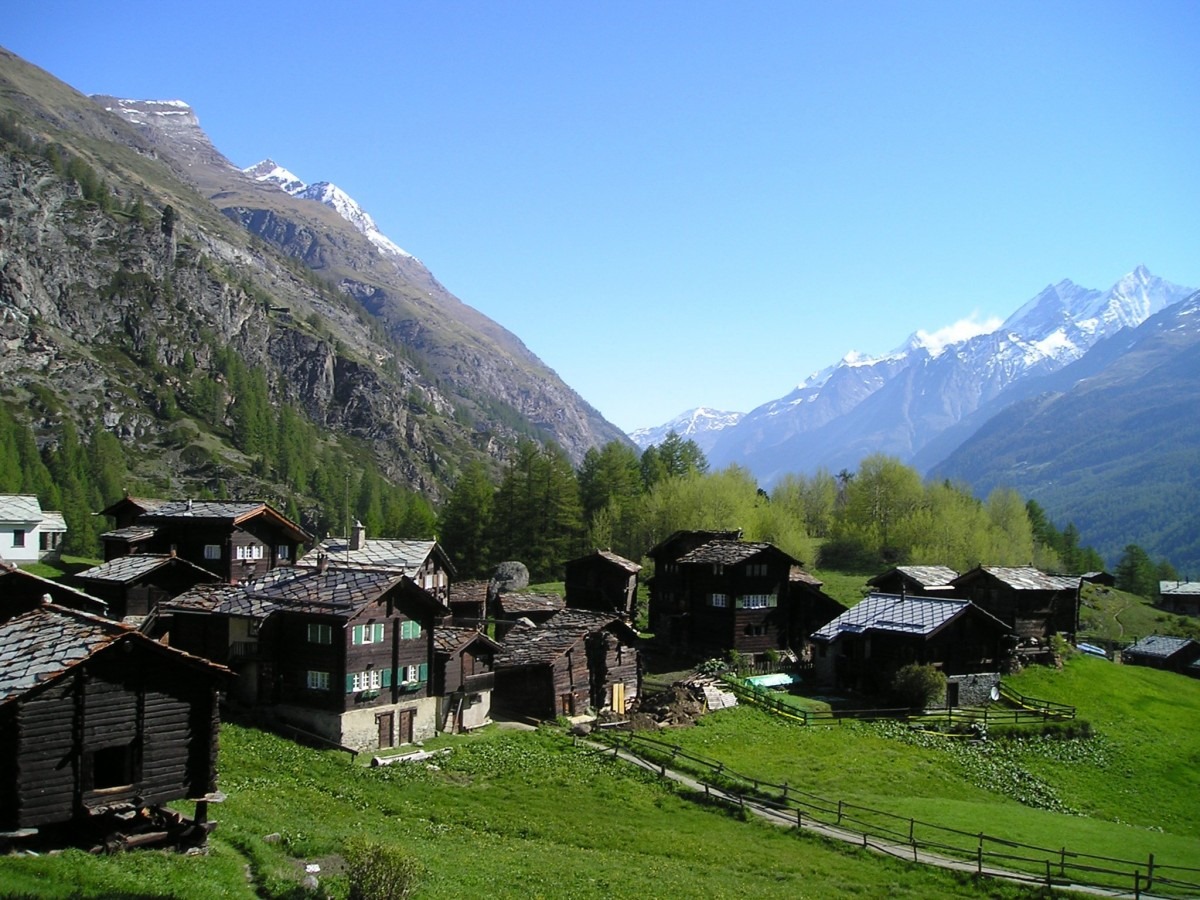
point(788, 818)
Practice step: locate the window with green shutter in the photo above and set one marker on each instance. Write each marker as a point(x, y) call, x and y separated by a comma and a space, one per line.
point(410, 630)
point(387, 678)
point(423, 672)
point(349, 684)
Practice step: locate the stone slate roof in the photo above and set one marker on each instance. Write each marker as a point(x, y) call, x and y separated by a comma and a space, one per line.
point(20, 508)
point(234, 512)
point(1026, 578)
point(532, 645)
point(469, 592)
point(899, 615)
point(518, 603)
point(798, 574)
point(926, 576)
point(334, 592)
point(727, 553)
point(128, 569)
point(52, 520)
point(131, 534)
point(448, 640)
point(403, 556)
point(608, 556)
point(1158, 646)
point(43, 643)
point(1169, 588)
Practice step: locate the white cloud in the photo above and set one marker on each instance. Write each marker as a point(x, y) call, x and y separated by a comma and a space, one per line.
point(962, 330)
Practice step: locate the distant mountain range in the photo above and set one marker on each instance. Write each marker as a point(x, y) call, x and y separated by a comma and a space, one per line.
point(702, 425)
point(938, 407)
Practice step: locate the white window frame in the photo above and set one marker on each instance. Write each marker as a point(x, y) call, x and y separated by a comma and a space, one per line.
point(719, 601)
point(317, 681)
point(283, 551)
point(757, 601)
point(250, 551)
point(368, 680)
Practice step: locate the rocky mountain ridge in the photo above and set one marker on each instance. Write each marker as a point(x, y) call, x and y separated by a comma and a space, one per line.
point(116, 297)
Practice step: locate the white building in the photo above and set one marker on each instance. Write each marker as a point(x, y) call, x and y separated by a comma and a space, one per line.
point(27, 533)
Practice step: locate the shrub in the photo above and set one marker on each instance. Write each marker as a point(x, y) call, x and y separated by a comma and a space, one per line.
point(918, 686)
point(380, 872)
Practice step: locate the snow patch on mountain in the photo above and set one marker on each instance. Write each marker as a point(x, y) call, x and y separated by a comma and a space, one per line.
point(701, 425)
point(330, 195)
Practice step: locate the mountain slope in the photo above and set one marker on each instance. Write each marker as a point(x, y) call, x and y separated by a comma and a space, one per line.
point(1111, 443)
point(702, 425)
point(123, 292)
point(481, 363)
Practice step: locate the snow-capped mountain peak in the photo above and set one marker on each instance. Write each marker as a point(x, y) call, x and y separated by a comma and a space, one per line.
point(330, 195)
point(700, 425)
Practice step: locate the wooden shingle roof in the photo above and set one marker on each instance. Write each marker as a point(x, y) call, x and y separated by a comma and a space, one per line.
point(518, 603)
point(1023, 578)
point(729, 553)
point(127, 569)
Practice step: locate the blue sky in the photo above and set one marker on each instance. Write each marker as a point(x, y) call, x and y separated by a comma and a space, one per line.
point(678, 204)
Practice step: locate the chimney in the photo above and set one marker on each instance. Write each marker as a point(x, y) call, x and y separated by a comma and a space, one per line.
point(358, 535)
point(322, 562)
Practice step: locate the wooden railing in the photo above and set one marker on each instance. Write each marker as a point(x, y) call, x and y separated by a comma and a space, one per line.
point(1049, 866)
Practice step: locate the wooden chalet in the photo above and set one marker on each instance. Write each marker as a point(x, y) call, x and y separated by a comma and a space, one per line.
point(235, 540)
point(425, 562)
point(462, 677)
point(96, 718)
point(1030, 602)
point(343, 654)
point(727, 595)
point(920, 581)
point(1172, 654)
point(135, 585)
point(862, 648)
point(604, 582)
point(1180, 597)
point(574, 662)
point(22, 591)
point(668, 588)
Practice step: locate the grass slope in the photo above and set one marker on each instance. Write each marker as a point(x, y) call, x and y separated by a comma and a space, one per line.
point(506, 815)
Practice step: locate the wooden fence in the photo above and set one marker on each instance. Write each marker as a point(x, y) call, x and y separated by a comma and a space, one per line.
point(1053, 867)
point(1028, 711)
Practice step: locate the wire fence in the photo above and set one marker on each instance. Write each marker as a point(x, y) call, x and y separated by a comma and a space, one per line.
point(1051, 866)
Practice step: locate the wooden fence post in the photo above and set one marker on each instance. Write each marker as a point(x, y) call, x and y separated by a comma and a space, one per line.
point(1150, 873)
point(979, 859)
point(839, 818)
point(799, 817)
point(1062, 863)
point(911, 824)
point(1137, 884)
point(1049, 883)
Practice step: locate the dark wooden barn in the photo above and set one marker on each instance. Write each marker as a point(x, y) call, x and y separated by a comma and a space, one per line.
point(920, 581)
point(135, 585)
point(1030, 602)
point(1172, 654)
point(462, 677)
point(22, 591)
point(602, 581)
point(574, 662)
point(96, 718)
point(862, 648)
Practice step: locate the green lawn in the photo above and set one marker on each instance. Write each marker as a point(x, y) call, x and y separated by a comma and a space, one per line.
point(507, 814)
point(1128, 792)
point(1109, 614)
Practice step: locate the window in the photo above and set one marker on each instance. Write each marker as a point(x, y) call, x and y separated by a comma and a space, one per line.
point(757, 601)
point(251, 551)
point(718, 568)
point(319, 633)
point(414, 674)
point(367, 634)
point(212, 551)
point(410, 630)
point(719, 601)
point(283, 551)
point(112, 767)
point(317, 681)
point(756, 569)
point(370, 680)
point(18, 537)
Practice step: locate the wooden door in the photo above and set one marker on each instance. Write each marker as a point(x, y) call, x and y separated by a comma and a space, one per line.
point(618, 698)
point(567, 702)
point(406, 726)
point(952, 694)
point(386, 724)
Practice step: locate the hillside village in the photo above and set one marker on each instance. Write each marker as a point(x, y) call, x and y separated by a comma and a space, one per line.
point(208, 608)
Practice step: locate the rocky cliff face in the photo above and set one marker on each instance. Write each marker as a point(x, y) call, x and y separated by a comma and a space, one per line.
point(110, 308)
